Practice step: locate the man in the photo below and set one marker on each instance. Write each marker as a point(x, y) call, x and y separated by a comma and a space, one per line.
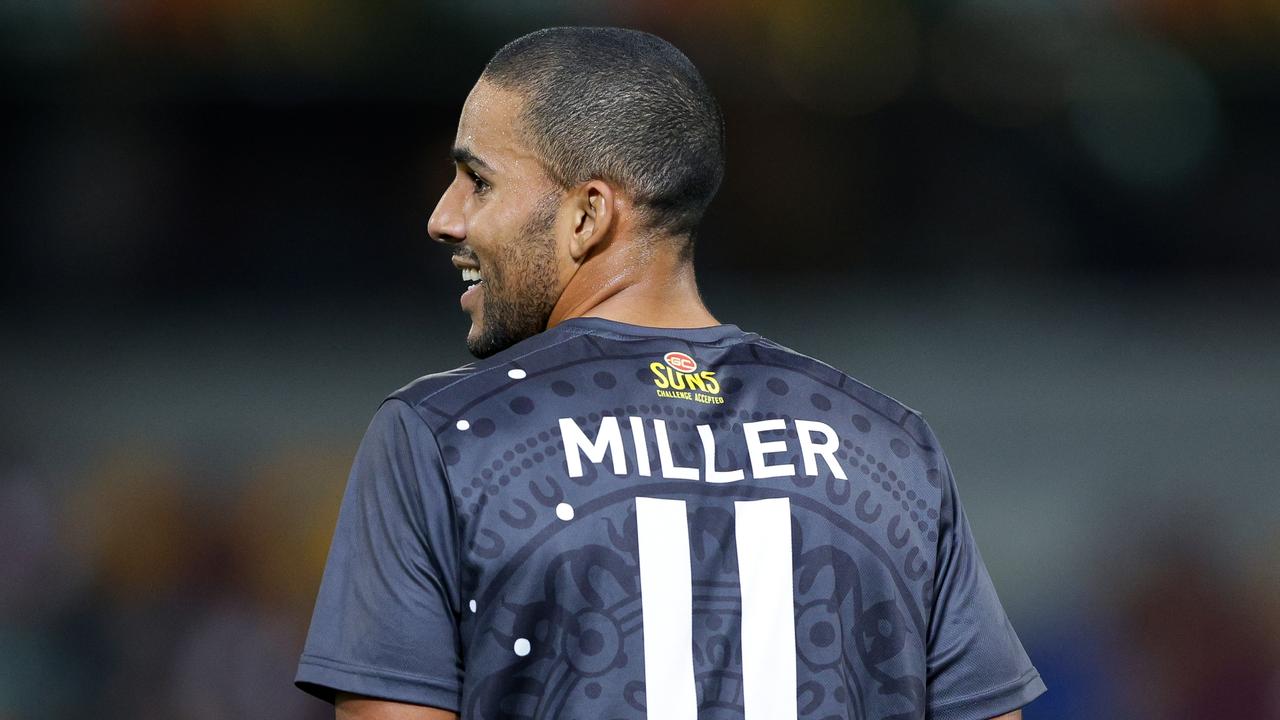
point(626, 509)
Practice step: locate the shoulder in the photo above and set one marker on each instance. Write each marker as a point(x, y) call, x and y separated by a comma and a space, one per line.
point(874, 412)
point(423, 389)
point(441, 396)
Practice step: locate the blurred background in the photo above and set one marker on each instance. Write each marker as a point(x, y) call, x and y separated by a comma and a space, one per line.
point(1050, 225)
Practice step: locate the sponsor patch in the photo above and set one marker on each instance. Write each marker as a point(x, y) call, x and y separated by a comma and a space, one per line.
point(677, 377)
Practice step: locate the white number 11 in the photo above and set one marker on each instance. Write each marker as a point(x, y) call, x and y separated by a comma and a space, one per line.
point(763, 530)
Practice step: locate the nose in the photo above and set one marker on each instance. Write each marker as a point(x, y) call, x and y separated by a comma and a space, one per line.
point(447, 223)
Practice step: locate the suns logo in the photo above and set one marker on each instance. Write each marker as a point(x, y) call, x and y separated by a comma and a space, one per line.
point(677, 376)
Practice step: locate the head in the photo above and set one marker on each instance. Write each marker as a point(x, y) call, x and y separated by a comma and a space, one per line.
point(573, 142)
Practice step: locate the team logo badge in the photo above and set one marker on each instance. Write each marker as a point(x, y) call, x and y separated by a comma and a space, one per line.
point(680, 361)
point(678, 377)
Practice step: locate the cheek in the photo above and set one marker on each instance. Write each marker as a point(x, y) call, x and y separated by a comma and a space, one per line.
point(491, 242)
point(502, 265)
point(517, 251)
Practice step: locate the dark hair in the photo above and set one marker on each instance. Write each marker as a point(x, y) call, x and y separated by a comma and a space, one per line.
point(619, 105)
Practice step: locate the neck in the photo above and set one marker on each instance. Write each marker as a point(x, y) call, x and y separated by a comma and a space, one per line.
point(648, 287)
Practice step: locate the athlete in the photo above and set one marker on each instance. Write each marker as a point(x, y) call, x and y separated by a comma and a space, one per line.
point(626, 509)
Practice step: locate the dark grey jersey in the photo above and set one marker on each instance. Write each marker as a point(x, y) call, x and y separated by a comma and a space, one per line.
point(612, 522)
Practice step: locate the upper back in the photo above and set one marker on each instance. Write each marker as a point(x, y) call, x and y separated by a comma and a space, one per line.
point(636, 507)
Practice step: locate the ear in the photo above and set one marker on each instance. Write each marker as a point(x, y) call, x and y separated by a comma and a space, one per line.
point(594, 215)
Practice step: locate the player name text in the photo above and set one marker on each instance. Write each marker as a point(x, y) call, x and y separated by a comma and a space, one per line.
point(765, 456)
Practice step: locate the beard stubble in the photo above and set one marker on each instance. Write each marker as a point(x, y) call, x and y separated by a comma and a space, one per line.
point(520, 288)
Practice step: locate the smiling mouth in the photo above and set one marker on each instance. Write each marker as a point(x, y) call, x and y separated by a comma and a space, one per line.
point(469, 301)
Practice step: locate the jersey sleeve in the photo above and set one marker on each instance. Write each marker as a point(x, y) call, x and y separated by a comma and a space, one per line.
point(385, 623)
point(977, 667)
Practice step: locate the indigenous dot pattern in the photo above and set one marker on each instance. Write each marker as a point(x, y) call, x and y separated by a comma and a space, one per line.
point(516, 504)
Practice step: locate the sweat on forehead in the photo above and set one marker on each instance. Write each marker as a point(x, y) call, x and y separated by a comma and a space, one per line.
point(490, 133)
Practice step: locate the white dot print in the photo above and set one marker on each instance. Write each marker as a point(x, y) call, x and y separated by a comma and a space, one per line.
point(522, 647)
point(463, 424)
point(516, 374)
point(564, 511)
point(472, 605)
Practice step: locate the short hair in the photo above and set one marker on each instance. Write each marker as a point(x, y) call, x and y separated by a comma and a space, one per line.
point(623, 106)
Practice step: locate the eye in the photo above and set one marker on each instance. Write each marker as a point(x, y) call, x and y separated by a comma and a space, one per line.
point(480, 185)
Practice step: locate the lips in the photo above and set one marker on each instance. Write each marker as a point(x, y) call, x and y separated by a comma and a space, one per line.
point(471, 297)
point(470, 274)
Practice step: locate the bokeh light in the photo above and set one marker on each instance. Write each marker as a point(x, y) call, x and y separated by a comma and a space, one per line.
point(1049, 225)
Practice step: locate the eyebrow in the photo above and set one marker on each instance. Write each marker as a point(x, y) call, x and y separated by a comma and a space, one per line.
point(466, 157)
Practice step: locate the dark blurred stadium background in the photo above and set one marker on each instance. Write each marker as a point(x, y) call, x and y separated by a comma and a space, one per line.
point(1050, 225)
